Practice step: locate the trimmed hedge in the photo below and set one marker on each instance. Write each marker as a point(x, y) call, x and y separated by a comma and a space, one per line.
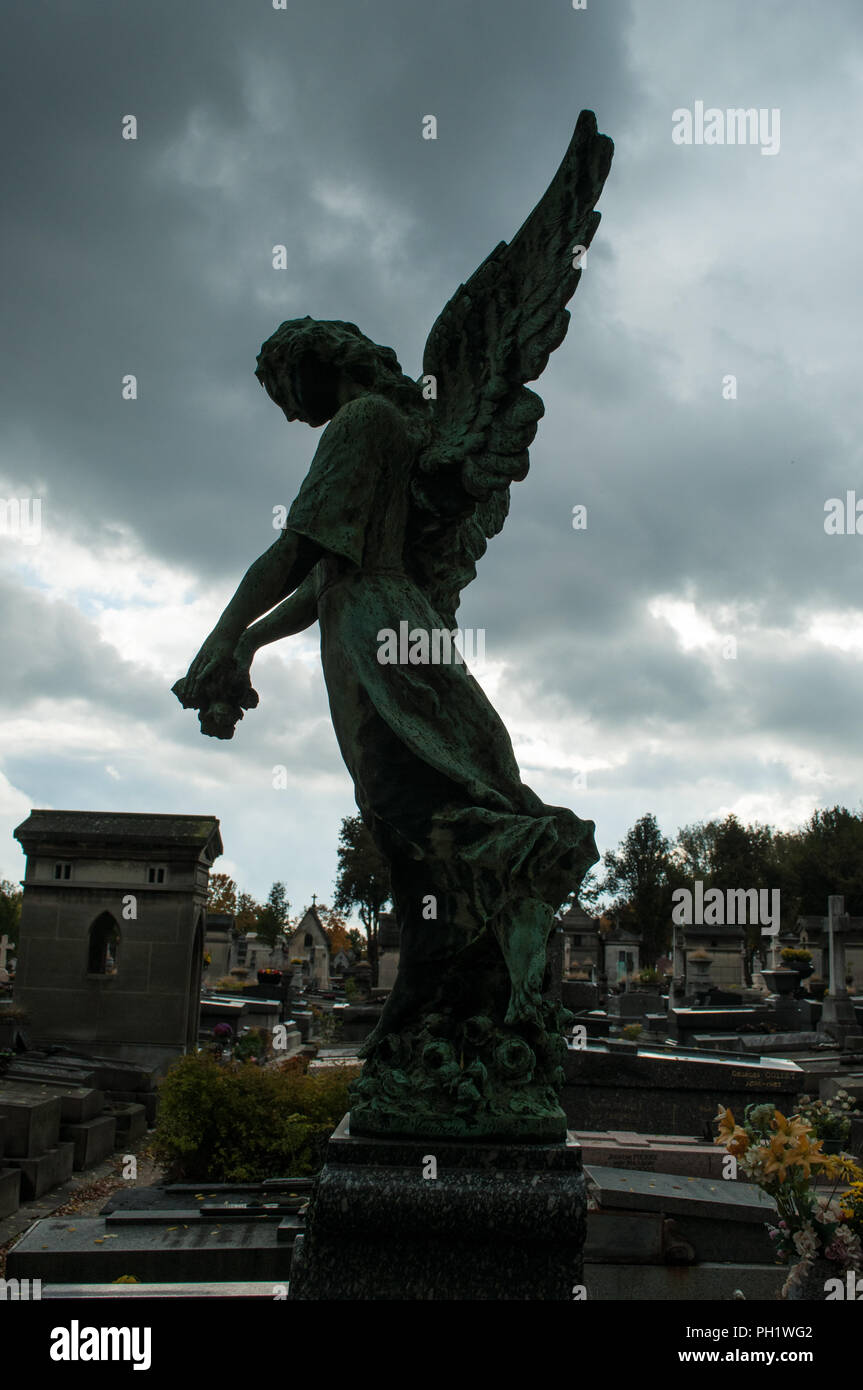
point(242, 1123)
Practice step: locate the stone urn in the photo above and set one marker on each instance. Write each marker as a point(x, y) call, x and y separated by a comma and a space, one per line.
point(782, 982)
point(803, 968)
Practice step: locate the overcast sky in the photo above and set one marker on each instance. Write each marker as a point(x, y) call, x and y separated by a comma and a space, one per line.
point(607, 648)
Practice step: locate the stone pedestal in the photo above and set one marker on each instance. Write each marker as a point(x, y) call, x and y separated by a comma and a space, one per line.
point(498, 1221)
point(839, 1021)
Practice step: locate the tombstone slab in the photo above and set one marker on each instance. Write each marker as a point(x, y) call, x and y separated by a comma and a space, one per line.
point(10, 1190)
point(93, 1140)
point(77, 1103)
point(652, 1153)
point(719, 1220)
point(148, 1099)
point(32, 1123)
point(701, 1283)
point(32, 1067)
point(77, 1250)
point(49, 1169)
point(131, 1122)
point(646, 1090)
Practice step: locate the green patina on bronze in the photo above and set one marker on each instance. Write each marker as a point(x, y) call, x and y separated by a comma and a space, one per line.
point(402, 496)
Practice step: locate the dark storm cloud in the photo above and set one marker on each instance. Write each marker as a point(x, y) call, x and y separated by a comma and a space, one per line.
point(154, 257)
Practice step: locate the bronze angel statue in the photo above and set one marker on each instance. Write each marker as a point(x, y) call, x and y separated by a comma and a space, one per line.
point(410, 481)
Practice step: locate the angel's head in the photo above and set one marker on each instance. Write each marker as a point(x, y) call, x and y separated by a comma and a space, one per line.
point(311, 367)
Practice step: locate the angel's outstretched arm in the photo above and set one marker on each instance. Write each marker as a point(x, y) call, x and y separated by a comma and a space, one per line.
point(222, 662)
point(294, 615)
point(276, 573)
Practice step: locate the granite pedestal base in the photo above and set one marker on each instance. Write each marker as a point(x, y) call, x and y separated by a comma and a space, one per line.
point(498, 1221)
point(838, 1020)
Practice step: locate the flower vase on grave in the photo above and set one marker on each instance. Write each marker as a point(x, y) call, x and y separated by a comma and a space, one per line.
point(807, 1280)
point(781, 983)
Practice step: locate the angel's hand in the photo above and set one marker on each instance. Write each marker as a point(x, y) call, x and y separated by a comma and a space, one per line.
point(216, 654)
point(218, 685)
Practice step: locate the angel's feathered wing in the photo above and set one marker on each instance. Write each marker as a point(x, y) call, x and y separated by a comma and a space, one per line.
point(495, 334)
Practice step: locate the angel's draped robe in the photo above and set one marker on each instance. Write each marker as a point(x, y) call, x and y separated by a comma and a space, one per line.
point(434, 771)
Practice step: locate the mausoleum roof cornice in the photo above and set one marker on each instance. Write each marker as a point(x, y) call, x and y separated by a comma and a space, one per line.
point(128, 830)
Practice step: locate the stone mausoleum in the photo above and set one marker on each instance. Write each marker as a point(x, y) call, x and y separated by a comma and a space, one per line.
point(112, 930)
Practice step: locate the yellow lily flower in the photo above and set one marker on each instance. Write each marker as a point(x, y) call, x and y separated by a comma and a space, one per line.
point(735, 1139)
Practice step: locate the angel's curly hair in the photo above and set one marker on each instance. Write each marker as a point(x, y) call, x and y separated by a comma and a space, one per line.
point(335, 343)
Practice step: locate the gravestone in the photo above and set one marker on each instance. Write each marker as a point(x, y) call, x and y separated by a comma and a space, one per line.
point(579, 994)
point(719, 1220)
point(685, 1021)
point(179, 1246)
point(661, 1092)
point(634, 1004)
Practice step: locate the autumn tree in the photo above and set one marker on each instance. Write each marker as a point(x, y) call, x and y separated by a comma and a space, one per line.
point(248, 912)
point(10, 909)
point(222, 894)
point(335, 927)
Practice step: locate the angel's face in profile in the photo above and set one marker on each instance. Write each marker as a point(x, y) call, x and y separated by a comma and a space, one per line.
point(311, 391)
point(287, 399)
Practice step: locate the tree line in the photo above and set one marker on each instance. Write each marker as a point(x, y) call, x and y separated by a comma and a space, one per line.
point(634, 884)
point(637, 880)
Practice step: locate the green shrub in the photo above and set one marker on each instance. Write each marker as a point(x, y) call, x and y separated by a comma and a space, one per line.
point(649, 976)
point(243, 1123)
point(329, 1027)
point(251, 1044)
point(632, 1032)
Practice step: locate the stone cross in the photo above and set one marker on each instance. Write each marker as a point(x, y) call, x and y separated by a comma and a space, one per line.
point(838, 1020)
point(836, 922)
